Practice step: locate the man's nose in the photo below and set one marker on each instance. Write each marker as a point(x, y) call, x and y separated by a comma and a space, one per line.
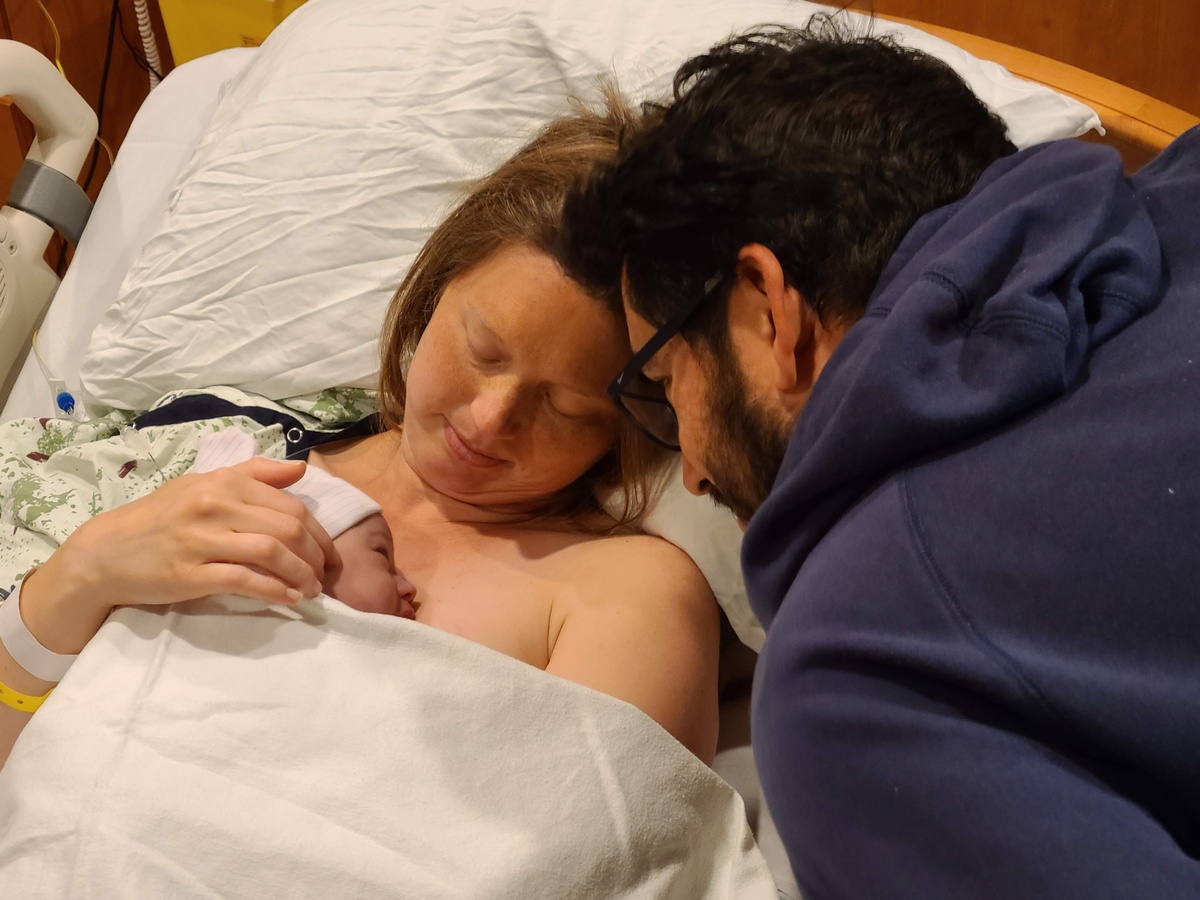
point(694, 478)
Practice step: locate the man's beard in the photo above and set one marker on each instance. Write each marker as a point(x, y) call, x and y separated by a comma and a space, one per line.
point(746, 443)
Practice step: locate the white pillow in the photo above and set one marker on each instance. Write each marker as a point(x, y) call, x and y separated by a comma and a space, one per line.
point(712, 538)
point(349, 134)
point(356, 125)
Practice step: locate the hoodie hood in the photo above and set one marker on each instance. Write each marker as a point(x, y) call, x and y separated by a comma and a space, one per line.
point(988, 310)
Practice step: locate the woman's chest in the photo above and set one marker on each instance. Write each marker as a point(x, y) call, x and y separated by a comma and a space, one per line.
point(481, 588)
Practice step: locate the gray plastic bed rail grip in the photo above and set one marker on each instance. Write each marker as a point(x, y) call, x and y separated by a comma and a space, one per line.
point(51, 196)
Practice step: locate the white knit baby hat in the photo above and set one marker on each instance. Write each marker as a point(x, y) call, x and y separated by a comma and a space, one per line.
point(335, 503)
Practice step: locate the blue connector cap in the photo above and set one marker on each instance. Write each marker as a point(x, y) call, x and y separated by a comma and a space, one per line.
point(65, 402)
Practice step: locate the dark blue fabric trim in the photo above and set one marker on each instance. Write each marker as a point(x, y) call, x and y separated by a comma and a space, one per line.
point(299, 440)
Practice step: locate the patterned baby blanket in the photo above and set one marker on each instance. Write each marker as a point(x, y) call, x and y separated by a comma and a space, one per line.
point(55, 474)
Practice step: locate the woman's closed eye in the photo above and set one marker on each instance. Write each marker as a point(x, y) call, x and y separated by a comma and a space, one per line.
point(581, 421)
point(487, 356)
point(564, 413)
point(570, 407)
point(483, 343)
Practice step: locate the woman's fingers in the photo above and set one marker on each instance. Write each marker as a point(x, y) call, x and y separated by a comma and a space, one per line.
point(230, 578)
point(287, 527)
point(227, 501)
point(263, 548)
point(230, 530)
point(278, 473)
point(274, 474)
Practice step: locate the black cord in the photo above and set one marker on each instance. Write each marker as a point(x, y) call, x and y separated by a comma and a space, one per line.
point(112, 30)
point(59, 266)
point(62, 257)
point(138, 56)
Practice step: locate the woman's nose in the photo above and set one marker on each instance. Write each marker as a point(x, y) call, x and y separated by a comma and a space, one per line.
point(496, 409)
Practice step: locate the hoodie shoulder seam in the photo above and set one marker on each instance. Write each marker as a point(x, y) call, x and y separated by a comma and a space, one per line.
point(1130, 303)
point(994, 319)
point(1006, 663)
point(998, 320)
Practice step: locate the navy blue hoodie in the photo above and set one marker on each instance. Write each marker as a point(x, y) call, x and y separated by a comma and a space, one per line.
point(979, 567)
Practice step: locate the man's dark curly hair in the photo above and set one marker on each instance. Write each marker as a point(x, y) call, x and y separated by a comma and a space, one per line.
point(822, 145)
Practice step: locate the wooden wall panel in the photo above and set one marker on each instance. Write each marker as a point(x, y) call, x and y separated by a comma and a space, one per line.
point(1148, 45)
point(83, 30)
point(13, 138)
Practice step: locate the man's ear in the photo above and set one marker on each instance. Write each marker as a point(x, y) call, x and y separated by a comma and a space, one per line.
point(787, 321)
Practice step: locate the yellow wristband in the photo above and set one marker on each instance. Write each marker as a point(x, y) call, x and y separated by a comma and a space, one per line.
point(20, 701)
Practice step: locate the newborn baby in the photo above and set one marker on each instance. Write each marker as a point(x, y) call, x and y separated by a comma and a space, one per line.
point(366, 579)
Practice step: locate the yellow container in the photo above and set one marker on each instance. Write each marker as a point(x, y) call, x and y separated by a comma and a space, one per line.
point(197, 27)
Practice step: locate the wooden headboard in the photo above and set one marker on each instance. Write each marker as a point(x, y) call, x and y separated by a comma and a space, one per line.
point(1134, 62)
point(1136, 124)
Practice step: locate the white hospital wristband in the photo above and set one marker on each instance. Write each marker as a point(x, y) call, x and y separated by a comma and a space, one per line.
point(24, 648)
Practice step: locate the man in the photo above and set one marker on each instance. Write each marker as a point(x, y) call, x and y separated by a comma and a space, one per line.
point(954, 391)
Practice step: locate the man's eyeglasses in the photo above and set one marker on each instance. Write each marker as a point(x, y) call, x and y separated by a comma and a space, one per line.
point(644, 400)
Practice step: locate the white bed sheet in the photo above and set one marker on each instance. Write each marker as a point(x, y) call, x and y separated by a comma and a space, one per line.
point(128, 212)
point(478, 776)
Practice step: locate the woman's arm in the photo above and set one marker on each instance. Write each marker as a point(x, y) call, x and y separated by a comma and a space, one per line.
point(229, 531)
point(68, 619)
point(12, 721)
point(645, 628)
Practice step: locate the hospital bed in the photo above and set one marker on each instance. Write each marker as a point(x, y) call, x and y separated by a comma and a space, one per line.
point(153, 246)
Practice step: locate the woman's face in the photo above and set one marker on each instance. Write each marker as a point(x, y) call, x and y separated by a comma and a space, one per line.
point(506, 394)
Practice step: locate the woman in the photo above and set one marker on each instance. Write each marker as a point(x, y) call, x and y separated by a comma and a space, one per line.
point(500, 439)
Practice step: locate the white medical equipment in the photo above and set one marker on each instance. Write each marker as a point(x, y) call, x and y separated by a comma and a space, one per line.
point(45, 197)
point(149, 45)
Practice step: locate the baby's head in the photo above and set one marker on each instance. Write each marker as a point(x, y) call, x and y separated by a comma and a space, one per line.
point(366, 578)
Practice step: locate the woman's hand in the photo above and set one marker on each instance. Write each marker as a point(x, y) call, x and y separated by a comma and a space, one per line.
point(227, 531)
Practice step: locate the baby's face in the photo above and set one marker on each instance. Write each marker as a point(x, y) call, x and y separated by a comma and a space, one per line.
point(367, 579)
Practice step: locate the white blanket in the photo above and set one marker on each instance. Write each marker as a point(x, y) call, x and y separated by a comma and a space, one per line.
point(221, 749)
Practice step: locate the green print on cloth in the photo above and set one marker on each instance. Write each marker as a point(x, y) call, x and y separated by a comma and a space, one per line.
point(55, 474)
point(54, 439)
point(30, 500)
point(335, 407)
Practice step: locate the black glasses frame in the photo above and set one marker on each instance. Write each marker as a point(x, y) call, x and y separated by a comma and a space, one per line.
point(624, 384)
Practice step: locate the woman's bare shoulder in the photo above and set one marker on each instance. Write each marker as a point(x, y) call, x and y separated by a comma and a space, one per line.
point(640, 562)
point(630, 543)
point(642, 625)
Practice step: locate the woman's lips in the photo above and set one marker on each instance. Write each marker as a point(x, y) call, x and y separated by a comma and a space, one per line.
point(466, 452)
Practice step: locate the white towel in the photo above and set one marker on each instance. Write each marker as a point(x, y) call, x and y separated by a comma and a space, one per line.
point(223, 749)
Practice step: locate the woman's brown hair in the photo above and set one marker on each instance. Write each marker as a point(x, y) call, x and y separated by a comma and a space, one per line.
point(521, 203)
